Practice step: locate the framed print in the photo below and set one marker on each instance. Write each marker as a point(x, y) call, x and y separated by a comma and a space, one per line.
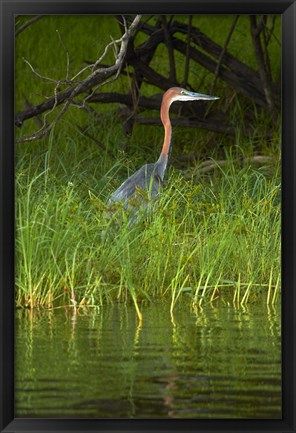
point(147, 216)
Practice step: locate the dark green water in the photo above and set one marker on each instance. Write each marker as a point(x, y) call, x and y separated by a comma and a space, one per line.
point(219, 363)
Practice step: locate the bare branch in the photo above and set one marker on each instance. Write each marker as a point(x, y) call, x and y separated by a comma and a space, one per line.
point(168, 41)
point(263, 67)
point(27, 24)
point(97, 77)
point(67, 56)
point(210, 125)
point(187, 59)
point(237, 74)
point(210, 165)
point(134, 59)
point(39, 75)
point(219, 63)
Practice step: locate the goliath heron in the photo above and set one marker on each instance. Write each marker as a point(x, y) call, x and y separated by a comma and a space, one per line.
point(150, 176)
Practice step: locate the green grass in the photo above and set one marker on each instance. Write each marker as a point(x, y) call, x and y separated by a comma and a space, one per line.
point(209, 236)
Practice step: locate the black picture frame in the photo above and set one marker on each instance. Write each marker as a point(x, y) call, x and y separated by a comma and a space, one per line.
point(8, 10)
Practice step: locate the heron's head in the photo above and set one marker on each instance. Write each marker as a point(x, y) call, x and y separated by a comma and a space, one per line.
point(178, 94)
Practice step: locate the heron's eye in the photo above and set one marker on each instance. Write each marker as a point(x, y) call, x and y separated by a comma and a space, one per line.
point(182, 92)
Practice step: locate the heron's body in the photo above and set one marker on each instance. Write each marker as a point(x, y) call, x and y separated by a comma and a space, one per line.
point(150, 176)
point(146, 178)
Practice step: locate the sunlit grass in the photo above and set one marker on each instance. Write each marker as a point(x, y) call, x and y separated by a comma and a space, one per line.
point(209, 236)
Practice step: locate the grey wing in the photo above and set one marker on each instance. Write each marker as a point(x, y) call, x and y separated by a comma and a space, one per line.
point(145, 178)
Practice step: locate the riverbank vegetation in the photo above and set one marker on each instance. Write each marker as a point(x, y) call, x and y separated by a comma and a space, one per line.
point(213, 233)
point(208, 234)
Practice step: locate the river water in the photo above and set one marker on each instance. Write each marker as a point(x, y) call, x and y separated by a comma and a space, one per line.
point(219, 362)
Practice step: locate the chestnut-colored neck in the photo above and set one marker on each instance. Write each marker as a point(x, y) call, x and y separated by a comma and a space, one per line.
point(164, 115)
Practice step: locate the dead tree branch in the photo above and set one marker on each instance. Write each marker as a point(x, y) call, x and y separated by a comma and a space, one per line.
point(237, 74)
point(168, 42)
point(223, 53)
point(134, 62)
point(97, 77)
point(210, 165)
point(262, 63)
point(187, 58)
point(27, 24)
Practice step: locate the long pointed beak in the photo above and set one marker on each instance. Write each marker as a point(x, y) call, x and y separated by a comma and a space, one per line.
point(194, 95)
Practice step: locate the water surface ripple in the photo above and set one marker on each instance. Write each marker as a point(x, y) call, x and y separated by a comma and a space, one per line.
point(220, 362)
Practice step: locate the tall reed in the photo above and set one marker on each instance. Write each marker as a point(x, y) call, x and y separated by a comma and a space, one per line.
point(216, 235)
